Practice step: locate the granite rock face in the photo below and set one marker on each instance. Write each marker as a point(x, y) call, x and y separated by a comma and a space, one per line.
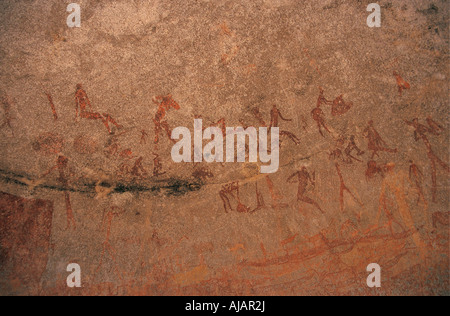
point(87, 176)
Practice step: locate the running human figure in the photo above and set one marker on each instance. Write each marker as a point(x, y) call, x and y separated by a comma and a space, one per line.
point(420, 132)
point(164, 103)
point(275, 115)
point(353, 147)
point(376, 143)
point(401, 83)
point(304, 178)
point(82, 102)
point(318, 115)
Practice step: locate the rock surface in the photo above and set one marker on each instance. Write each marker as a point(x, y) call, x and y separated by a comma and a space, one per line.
point(363, 174)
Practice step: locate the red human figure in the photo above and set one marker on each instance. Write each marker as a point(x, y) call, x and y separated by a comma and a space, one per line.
point(318, 115)
point(416, 176)
point(275, 115)
point(344, 188)
point(376, 143)
point(401, 83)
point(157, 166)
point(353, 147)
point(164, 103)
point(82, 102)
point(52, 105)
point(62, 167)
point(420, 132)
point(304, 178)
point(259, 117)
point(108, 217)
point(336, 155)
point(7, 117)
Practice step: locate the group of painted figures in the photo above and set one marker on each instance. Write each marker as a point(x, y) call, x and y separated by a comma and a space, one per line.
point(346, 150)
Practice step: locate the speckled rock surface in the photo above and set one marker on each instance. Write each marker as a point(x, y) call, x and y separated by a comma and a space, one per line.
point(363, 174)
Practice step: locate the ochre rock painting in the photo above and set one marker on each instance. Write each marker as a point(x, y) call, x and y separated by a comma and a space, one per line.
point(89, 117)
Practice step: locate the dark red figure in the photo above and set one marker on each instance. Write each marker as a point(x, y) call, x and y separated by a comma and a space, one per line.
point(401, 83)
point(157, 166)
point(353, 147)
point(420, 132)
point(304, 178)
point(373, 170)
point(376, 143)
point(164, 103)
point(83, 102)
point(52, 105)
point(275, 115)
point(318, 115)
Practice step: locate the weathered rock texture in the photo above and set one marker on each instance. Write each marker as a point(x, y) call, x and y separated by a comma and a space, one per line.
point(369, 185)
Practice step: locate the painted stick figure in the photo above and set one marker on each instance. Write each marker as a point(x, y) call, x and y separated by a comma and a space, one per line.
point(304, 178)
point(353, 147)
point(164, 103)
point(344, 188)
point(275, 115)
point(108, 217)
point(82, 102)
point(52, 105)
point(376, 143)
point(157, 166)
point(7, 117)
point(416, 175)
point(335, 156)
point(420, 132)
point(401, 83)
point(318, 115)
